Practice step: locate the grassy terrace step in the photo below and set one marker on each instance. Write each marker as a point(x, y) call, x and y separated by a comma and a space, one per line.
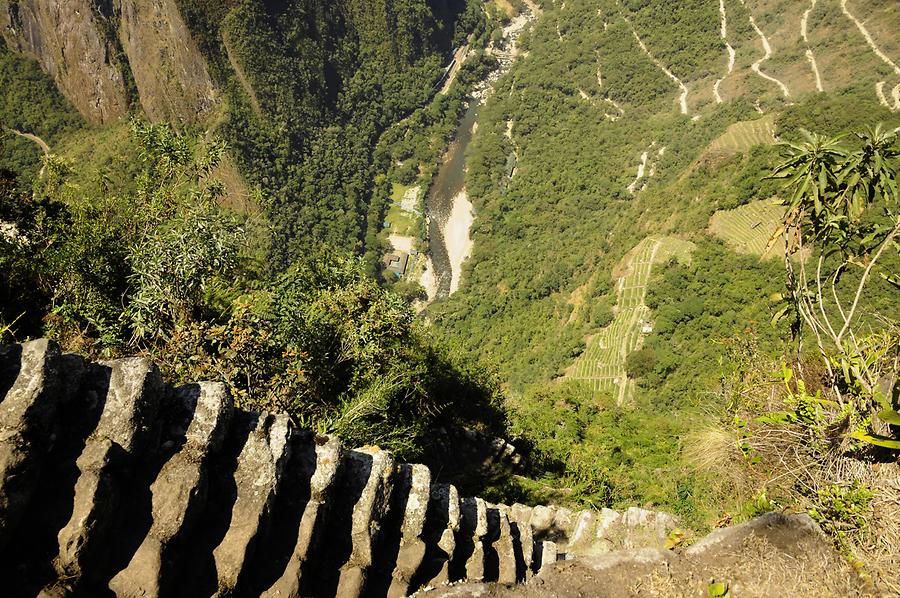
point(749, 228)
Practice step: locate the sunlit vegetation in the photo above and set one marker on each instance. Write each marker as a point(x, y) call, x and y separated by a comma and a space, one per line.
point(742, 136)
point(750, 228)
point(539, 292)
point(29, 103)
point(602, 365)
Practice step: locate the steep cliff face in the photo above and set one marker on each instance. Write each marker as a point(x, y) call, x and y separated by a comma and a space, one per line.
point(77, 43)
point(66, 38)
point(171, 75)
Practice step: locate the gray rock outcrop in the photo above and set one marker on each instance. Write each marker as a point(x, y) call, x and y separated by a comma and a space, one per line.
point(112, 480)
point(98, 53)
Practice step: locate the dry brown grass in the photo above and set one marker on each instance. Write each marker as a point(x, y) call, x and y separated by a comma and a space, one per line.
point(799, 467)
point(755, 568)
point(792, 464)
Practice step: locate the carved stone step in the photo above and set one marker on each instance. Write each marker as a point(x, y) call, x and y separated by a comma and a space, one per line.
point(526, 541)
point(634, 528)
point(549, 554)
point(28, 414)
point(442, 523)
point(505, 548)
point(521, 514)
point(583, 534)
point(541, 520)
point(257, 478)
point(473, 530)
point(417, 490)
point(124, 435)
point(361, 501)
point(368, 513)
point(322, 472)
point(179, 491)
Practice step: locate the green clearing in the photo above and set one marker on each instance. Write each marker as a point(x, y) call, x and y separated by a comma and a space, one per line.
point(398, 191)
point(743, 135)
point(399, 221)
point(602, 365)
point(749, 228)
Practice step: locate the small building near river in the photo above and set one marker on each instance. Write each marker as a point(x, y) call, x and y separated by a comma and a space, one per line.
point(396, 263)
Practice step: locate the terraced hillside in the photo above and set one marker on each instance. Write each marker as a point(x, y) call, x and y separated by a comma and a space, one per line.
point(743, 135)
point(603, 362)
point(749, 228)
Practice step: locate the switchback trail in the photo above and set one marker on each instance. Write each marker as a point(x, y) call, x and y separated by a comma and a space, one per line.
point(682, 99)
point(879, 87)
point(869, 40)
point(33, 138)
point(810, 57)
point(37, 141)
point(731, 53)
point(768, 54)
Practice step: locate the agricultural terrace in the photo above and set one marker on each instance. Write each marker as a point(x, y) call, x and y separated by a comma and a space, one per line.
point(743, 135)
point(602, 364)
point(749, 228)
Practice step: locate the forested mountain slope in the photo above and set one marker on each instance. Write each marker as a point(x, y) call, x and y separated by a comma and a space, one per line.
point(629, 121)
point(589, 186)
point(300, 90)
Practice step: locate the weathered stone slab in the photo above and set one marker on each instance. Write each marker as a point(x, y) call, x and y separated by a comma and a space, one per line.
point(123, 436)
point(583, 534)
point(474, 521)
point(27, 418)
point(412, 545)
point(542, 519)
point(526, 540)
point(368, 512)
point(257, 478)
point(506, 554)
point(441, 526)
point(179, 491)
point(519, 513)
point(548, 553)
point(312, 523)
point(564, 521)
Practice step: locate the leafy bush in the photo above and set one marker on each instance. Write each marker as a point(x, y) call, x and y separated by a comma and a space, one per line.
point(641, 362)
point(166, 272)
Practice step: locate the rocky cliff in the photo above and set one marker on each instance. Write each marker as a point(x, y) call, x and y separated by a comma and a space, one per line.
point(113, 481)
point(102, 54)
point(67, 40)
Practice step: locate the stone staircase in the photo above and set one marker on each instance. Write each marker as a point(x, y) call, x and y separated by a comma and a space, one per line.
point(113, 482)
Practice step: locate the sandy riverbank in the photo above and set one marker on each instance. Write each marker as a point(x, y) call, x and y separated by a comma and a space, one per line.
point(429, 283)
point(456, 236)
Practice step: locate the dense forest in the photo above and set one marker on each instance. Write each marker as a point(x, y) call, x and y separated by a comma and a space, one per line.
point(314, 87)
point(30, 103)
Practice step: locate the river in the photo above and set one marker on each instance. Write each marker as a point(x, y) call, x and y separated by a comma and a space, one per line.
point(447, 189)
point(447, 207)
